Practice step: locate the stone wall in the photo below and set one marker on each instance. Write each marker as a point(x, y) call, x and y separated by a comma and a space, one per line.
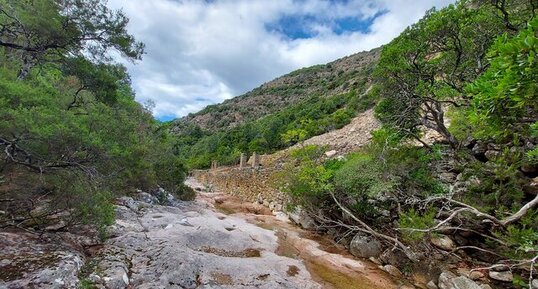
point(249, 184)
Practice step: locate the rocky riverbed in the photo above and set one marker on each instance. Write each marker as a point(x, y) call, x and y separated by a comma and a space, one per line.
point(214, 242)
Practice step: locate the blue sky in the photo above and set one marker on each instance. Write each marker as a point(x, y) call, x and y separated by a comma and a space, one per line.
point(203, 52)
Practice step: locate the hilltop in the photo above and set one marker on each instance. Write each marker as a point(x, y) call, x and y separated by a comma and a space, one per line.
point(337, 77)
point(299, 105)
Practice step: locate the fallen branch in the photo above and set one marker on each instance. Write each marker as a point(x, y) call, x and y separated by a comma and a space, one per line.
point(365, 228)
point(519, 214)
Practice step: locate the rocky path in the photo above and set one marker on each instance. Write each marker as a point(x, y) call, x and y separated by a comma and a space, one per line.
point(214, 242)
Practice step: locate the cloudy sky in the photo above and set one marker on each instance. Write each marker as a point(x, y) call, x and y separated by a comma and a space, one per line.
point(201, 52)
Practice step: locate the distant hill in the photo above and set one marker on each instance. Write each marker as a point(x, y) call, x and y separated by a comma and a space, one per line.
point(337, 77)
point(299, 105)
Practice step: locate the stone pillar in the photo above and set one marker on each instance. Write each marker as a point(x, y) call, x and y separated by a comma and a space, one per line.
point(255, 160)
point(243, 160)
point(214, 165)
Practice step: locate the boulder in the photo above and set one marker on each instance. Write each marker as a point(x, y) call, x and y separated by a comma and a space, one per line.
point(463, 282)
point(365, 246)
point(503, 276)
point(447, 280)
point(301, 218)
point(485, 286)
point(444, 243)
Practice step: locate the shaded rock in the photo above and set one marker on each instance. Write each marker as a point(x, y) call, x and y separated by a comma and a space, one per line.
point(485, 286)
point(492, 154)
point(529, 169)
point(443, 242)
point(146, 198)
point(531, 187)
point(129, 203)
point(504, 276)
point(365, 246)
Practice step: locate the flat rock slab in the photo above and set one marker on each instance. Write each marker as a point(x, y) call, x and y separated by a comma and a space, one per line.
point(194, 247)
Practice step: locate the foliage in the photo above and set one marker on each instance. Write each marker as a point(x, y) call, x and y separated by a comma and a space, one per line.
point(45, 30)
point(505, 98)
point(425, 70)
point(71, 132)
point(291, 125)
point(413, 219)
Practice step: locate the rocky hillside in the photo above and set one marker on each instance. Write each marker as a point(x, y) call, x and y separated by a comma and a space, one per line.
point(337, 77)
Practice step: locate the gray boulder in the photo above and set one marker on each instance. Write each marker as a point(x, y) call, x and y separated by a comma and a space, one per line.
point(365, 246)
point(447, 280)
point(503, 276)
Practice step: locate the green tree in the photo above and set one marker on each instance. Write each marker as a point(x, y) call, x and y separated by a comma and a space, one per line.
point(45, 30)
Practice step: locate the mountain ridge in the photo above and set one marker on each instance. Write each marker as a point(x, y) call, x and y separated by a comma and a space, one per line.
point(336, 77)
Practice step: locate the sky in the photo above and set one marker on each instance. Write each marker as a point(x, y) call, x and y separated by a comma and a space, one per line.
point(201, 52)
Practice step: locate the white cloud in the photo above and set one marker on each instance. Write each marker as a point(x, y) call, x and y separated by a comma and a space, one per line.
point(200, 53)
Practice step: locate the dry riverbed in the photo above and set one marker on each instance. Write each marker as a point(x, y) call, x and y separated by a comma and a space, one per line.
point(216, 241)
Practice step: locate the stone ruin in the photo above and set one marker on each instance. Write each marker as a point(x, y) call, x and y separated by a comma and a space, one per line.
point(254, 161)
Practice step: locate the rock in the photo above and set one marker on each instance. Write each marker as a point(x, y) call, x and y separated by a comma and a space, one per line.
point(146, 198)
point(375, 260)
point(278, 208)
point(445, 280)
point(476, 275)
point(532, 187)
point(443, 242)
point(492, 154)
point(330, 153)
point(431, 285)
point(392, 271)
point(300, 217)
point(485, 286)
point(503, 276)
point(479, 149)
point(534, 284)
point(529, 169)
point(185, 222)
point(129, 203)
point(259, 199)
point(447, 177)
point(365, 246)
point(463, 282)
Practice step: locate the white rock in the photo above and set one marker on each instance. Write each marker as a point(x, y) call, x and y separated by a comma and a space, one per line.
point(443, 242)
point(331, 153)
point(504, 276)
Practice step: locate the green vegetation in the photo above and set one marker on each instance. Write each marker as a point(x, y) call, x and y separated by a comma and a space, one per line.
point(71, 134)
point(289, 126)
point(474, 61)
